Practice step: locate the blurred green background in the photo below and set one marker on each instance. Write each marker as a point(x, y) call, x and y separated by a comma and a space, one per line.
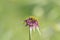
point(14, 12)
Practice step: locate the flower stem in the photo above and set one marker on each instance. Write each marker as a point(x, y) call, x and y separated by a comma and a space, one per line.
point(29, 35)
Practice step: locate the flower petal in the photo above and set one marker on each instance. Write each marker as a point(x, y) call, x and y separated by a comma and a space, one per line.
point(34, 28)
point(38, 30)
point(31, 31)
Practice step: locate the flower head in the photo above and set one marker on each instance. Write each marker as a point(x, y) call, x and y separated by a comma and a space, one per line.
point(32, 22)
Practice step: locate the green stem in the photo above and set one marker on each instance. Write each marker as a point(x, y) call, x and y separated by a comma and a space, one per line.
point(29, 35)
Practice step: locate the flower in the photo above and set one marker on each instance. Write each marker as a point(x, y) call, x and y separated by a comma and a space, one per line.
point(32, 22)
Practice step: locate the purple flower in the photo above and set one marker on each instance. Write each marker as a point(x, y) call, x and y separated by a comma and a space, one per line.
point(32, 22)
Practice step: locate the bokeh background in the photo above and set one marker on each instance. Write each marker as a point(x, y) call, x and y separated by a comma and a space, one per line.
point(14, 12)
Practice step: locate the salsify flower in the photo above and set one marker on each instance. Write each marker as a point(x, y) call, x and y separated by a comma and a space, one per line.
point(32, 22)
